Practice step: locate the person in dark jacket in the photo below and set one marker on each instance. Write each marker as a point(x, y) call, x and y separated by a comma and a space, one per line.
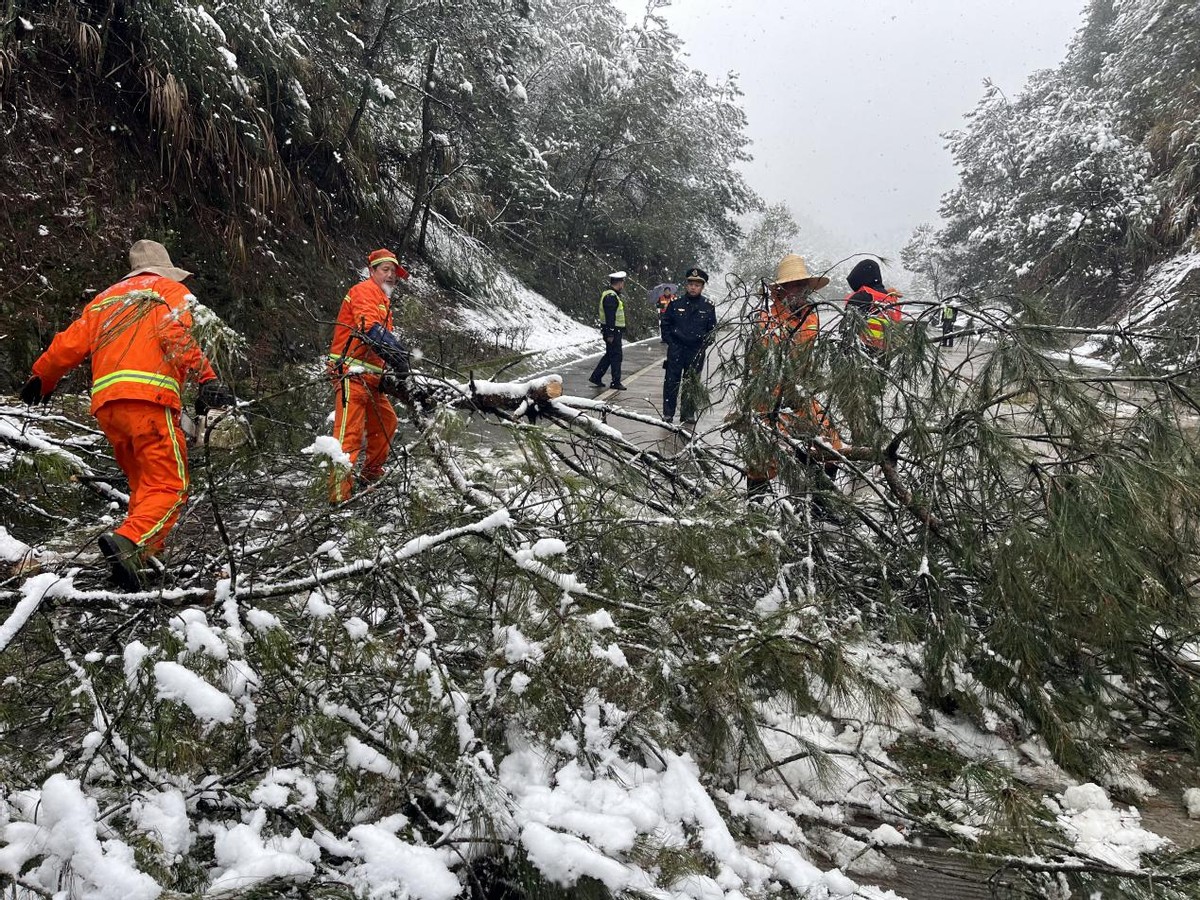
point(687, 327)
point(871, 307)
point(612, 328)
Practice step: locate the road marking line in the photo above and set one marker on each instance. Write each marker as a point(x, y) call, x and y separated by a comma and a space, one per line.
point(634, 377)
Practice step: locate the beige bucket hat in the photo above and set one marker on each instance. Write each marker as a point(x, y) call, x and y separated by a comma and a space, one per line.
point(151, 256)
point(792, 268)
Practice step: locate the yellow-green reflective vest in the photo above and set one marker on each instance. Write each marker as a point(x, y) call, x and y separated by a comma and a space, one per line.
point(619, 318)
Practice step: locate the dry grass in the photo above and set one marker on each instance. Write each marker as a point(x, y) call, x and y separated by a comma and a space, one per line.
point(8, 68)
point(171, 118)
point(87, 44)
point(234, 152)
point(188, 139)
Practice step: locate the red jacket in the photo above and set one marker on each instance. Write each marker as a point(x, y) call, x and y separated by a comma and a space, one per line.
point(878, 309)
point(138, 334)
point(364, 305)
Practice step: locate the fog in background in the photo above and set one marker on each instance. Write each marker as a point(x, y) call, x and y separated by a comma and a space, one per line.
point(847, 99)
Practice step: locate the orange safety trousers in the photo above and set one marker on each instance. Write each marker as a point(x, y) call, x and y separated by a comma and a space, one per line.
point(152, 452)
point(361, 414)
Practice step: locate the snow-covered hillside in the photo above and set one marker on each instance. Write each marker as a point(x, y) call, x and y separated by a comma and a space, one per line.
point(502, 310)
point(1160, 324)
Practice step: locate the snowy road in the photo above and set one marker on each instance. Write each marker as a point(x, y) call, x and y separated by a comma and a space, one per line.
point(643, 376)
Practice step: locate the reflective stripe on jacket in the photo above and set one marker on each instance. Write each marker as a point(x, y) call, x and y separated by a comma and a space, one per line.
point(882, 309)
point(364, 305)
point(138, 334)
point(349, 362)
point(618, 315)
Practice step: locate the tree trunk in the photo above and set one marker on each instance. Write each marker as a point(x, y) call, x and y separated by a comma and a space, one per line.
point(369, 58)
point(105, 28)
point(573, 228)
point(424, 225)
point(422, 182)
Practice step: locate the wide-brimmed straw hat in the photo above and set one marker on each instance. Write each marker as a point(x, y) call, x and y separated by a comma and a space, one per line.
point(151, 256)
point(792, 268)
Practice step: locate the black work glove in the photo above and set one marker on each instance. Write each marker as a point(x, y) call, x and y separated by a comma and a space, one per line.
point(390, 349)
point(31, 392)
point(392, 385)
point(398, 367)
point(214, 394)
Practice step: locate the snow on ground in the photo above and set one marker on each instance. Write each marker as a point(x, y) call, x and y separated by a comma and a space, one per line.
point(503, 310)
point(12, 550)
point(1154, 299)
point(1156, 303)
point(1086, 814)
point(1191, 800)
point(540, 326)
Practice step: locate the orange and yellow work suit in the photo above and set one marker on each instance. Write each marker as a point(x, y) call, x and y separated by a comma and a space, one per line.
point(880, 310)
point(360, 413)
point(794, 416)
point(138, 335)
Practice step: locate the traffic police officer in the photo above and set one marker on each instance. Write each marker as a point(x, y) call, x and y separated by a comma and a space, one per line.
point(612, 327)
point(687, 328)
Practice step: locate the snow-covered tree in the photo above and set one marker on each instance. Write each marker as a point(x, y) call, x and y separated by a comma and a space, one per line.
point(771, 235)
point(924, 256)
point(1053, 198)
point(641, 151)
point(1074, 187)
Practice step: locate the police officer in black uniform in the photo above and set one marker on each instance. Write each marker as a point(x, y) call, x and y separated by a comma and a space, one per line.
point(612, 329)
point(687, 327)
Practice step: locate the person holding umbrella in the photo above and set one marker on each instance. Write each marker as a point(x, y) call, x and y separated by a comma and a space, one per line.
point(663, 294)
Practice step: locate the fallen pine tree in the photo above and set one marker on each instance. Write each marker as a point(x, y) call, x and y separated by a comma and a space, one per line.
point(558, 660)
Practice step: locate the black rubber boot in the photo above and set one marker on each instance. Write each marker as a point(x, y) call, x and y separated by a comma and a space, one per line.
point(123, 555)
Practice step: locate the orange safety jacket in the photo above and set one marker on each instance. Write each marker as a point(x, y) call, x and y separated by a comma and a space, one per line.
point(883, 310)
point(364, 305)
point(138, 334)
point(779, 325)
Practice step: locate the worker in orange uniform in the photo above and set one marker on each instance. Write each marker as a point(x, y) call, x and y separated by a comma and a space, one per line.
point(364, 349)
point(786, 329)
point(137, 333)
point(875, 308)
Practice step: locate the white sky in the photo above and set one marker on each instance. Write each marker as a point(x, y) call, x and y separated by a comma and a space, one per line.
point(847, 99)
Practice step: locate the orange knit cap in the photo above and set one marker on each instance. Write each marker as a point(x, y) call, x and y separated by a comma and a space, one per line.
point(382, 256)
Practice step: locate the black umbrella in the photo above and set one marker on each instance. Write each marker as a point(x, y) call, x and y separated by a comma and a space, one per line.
point(658, 290)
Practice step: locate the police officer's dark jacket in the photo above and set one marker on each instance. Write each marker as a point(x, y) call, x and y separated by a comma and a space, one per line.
point(689, 320)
